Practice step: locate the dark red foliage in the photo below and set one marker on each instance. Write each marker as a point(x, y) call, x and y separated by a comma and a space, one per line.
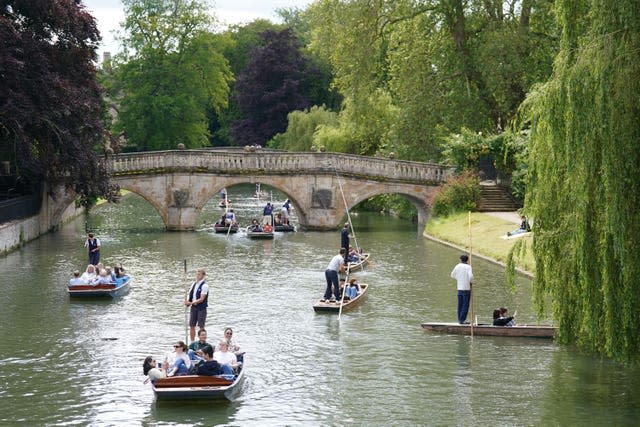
point(276, 81)
point(50, 102)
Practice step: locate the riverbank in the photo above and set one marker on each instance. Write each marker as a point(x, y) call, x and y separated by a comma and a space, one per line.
point(487, 236)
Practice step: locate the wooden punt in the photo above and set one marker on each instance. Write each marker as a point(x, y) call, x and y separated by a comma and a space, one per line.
point(533, 331)
point(225, 228)
point(198, 387)
point(334, 307)
point(284, 228)
point(259, 234)
point(112, 290)
point(357, 266)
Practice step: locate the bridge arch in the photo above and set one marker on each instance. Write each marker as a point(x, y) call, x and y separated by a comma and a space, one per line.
point(179, 183)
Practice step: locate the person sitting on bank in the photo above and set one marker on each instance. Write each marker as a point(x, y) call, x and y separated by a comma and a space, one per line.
point(524, 227)
point(153, 369)
point(500, 318)
point(210, 366)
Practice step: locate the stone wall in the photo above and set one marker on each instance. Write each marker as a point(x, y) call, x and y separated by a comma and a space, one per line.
point(15, 234)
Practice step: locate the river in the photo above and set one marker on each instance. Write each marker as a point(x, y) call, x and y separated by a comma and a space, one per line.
point(68, 362)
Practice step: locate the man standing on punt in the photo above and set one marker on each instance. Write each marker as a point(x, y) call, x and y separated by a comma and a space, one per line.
point(464, 277)
point(197, 298)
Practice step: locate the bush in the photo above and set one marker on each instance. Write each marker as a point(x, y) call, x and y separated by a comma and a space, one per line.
point(460, 194)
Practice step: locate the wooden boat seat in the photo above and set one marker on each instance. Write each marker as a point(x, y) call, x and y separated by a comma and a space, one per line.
point(192, 381)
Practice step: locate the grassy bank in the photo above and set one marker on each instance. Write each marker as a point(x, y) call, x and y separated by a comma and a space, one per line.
point(486, 232)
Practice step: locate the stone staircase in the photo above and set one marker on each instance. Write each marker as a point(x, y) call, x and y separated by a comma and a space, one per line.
point(495, 198)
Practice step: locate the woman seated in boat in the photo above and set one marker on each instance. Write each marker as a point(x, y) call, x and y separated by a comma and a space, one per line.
point(179, 362)
point(255, 226)
point(353, 290)
point(354, 256)
point(277, 220)
point(103, 279)
point(153, 369)
point(524, 227)
point(232, 345)
point(224, 356)
point(210, 366)
point(267, 228)
point(500, 318)
point(89, 274)
point(76, 279)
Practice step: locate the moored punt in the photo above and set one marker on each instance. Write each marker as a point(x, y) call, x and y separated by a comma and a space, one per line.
point(90, 291)
point(225, 228)
point(533, 331)
point(259, 234)
point(357, 266)
point(198, 387)
point(283, 228)
point(334, 307)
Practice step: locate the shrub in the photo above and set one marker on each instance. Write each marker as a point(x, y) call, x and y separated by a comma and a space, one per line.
point(460, 194)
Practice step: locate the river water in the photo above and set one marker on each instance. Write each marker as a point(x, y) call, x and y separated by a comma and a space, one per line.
point(66, 362)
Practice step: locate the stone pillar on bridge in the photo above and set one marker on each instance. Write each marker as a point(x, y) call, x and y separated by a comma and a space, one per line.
point(181, 216)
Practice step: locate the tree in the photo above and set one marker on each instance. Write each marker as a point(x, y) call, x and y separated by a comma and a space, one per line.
point(50, 102)
point(172, 72)
point(275, 82)
point(584, 188)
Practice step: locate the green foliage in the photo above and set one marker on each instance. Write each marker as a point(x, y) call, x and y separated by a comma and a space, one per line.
point(171, 75)
point(584, 189)
point(508, 151)
point(302, 127)
point(459, 194)
point(394, 203)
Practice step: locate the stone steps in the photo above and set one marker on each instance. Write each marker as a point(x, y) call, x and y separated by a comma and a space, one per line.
point(496, 199)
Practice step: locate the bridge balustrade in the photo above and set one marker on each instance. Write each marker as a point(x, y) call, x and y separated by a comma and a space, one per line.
point(263, 161)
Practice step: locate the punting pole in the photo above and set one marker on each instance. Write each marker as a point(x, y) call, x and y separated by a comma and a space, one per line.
point(471, 287)
point(353, 233)
point(186, 311)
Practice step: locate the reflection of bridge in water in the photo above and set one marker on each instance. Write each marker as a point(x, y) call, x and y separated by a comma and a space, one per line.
point(179, 183)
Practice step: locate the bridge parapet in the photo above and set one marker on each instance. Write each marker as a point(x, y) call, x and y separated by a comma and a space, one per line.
point(233, 162)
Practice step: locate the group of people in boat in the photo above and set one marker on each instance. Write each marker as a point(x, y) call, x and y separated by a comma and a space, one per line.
point(256, 227)
point(279, 218)
point(99, 275)
point(227, 219)
point(337, 286)
point(199, 358)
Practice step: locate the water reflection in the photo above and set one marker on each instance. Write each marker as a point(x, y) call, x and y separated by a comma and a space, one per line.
point(80, 362)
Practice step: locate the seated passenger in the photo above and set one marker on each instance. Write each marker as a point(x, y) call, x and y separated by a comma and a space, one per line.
point(111, 274)
point(278, 219)
point(255, 226)
point(223, 356)
point(77, 280)
point(195, 346)
point(154, 370)
point(179, 362)
point(89, 274)
point(354, 256)
point(102, 279)
point(267, 228)
point(232, 345)
point(119, 271)
point(210, 366)
point(230, 217)
point(353, 290)
point(500, 318)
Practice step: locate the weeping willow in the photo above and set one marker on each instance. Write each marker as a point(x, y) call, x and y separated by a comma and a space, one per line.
point(584, 187)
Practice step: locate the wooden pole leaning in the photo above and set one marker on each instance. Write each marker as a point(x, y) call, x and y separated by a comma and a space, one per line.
point(471, 284)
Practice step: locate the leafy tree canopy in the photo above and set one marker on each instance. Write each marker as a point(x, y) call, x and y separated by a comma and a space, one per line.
point(171, 74)
point(50, 102)
point(276, 81)
point(584, 188)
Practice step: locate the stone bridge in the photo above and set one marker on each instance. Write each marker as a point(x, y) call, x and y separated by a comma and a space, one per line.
point(179, 183)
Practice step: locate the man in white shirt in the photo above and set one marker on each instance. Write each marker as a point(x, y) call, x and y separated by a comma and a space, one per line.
point(464, 278)
point(336, 265)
